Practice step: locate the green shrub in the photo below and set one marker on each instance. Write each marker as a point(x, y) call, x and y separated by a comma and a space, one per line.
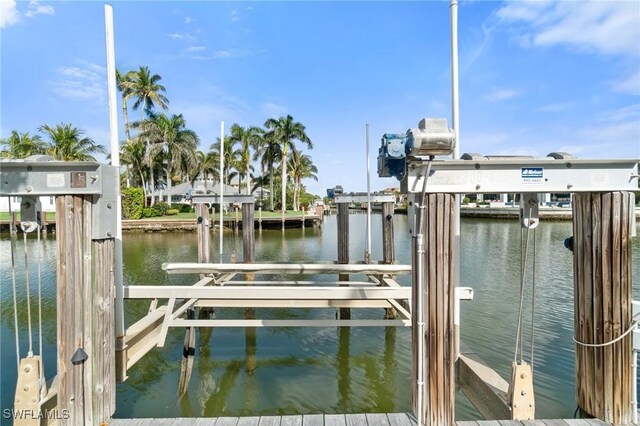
point(172, 212)
point(466, 200)
point(132, 203)
point(161, 208)
point(482, 203)
point(185, 208)
point(150, 212)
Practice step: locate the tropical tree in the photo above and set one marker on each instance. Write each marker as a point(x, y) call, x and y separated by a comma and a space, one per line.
point(132, 155)
point(206, 164)
point(124, 83)
point(286, 131)
point(269, 151)
point(301, 167)
point(231, 155)
point(247, 138)
point(22, 145)
point(147, 92)
point(68, 144)
point(168, 134)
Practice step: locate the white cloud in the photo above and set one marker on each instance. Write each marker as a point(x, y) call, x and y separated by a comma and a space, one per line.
point(85, 83)
point(272, 109)
point(628, 113)
point(180, 36)
point(234, 16)
point(499, 95)
point(603, 27)
point(188, 20)
point(555, 107)
point(195, 48)
point(35, 8)
point(8, 13)
point(628, 84)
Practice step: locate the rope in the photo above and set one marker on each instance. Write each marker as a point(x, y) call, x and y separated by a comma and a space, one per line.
point(26, 284)
point(533, 298)
point(15, 297)
point(611, 342)
point(41, 353)
point(523, 264)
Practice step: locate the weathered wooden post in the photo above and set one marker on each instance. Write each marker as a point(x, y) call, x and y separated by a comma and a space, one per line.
point(85, 323)
point(602, 276)
point(343, 249)
point(388, 251)
point(248, 250)
point(438, 357)
point(204, 256)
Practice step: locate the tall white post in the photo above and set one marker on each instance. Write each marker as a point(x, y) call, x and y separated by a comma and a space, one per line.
point(367, 255)
point(221, 186)
point(455, 106)
point(115, 161)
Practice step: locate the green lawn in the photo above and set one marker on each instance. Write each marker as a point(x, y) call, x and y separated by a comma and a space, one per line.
point(51, 216)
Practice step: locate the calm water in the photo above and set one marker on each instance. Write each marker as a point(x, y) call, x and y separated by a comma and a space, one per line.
point(293, 370)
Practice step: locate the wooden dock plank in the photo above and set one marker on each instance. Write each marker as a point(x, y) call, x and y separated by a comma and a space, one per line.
point(227, 421)
point(467, 423)
point(576, 422)
point(401, 419)
point(313, 420)
point(248, 421)
point(334, 420)
point(356, 420)
point(269, 421)
point(377, 419)
point(509, 423)
point(291, 420)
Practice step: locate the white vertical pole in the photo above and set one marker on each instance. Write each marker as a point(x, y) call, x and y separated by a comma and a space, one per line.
point(221, 185)
point(455, 104)
point(367, 254)
point(115, 161)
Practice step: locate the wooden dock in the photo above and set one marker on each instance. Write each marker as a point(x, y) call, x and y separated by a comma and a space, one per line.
point(371, 419)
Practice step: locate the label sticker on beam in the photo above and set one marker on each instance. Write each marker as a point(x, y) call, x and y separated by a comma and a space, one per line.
point(532, 175)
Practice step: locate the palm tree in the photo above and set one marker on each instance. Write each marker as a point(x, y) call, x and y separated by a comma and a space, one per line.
point(231, 156)
point(147, 92)
point(170, 135)
point(247, 138)
point(124, 83)
point(301, 167)
point(269, 151)
point(67, 143)
point(206, 164)
point(22, 145)
point(285, 130)
point(132, 155)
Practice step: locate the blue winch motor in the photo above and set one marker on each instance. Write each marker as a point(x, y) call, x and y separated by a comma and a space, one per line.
point(391, 156)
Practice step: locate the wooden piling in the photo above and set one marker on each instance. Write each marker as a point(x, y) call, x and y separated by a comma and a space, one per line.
point(248, 233)
point(388, 250)
point(204, 233)
point(85, 283)
point(438, 300)
point(343, 249)
point(602, 299)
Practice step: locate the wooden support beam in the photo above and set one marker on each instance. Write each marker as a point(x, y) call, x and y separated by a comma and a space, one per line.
point(290, 323)
point(264, 292)
point(343, 249)
point(388, 249)
point(85, 284)
point(285, 268)
point(602, 227)
point(437, 314)
point(293, 304)
point(248, 233)
point(485, 388)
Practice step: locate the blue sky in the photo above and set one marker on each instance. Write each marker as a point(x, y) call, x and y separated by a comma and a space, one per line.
point(535, 77)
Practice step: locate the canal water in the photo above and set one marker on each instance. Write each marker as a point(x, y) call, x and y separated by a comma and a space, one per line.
point(239, 372)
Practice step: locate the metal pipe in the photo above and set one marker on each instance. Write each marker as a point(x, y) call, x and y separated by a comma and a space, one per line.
point(634, 389)
point(367, 254)
point(419, 265)
point(221, 186)
point(115, 161)
point(455, 106)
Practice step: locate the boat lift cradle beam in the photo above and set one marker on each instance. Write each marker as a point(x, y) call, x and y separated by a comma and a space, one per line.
point(521, 175)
